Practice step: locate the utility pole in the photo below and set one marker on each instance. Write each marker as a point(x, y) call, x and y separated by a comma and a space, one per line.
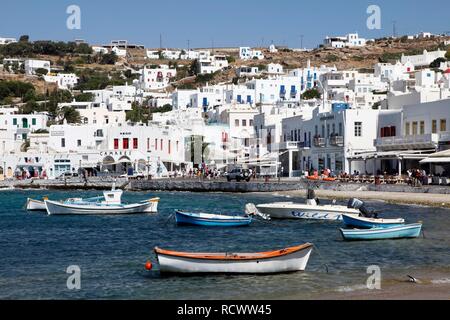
point(160, 41)
point(394, 29)
point(301, 41)
point(189, 45)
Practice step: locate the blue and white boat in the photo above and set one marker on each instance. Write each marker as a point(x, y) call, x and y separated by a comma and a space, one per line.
point(399, 232)
point(369, 223)
point(211, 220)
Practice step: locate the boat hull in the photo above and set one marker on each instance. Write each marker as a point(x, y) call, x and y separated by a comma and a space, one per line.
point(369, 223)
point(294, 211)
point(206, 220)
point(35, 205)
point(60, 208)
point(407, 231)
point(293, 262)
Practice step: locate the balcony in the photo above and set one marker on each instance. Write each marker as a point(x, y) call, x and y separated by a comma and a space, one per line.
point(289, 145)
point(320, 142)
point(426, 141)
point(337, 141)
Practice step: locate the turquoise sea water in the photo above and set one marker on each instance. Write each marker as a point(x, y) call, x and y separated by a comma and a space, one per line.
point(36, 249)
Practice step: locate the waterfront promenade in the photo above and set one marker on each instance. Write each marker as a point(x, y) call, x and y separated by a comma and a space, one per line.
point(425, 195)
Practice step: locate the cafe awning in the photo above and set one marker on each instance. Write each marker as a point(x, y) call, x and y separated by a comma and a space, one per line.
point(438, 157)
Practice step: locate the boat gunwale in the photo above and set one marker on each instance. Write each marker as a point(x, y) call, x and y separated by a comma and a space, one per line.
point(234, 256)
point(381, 230)
point(213, 217)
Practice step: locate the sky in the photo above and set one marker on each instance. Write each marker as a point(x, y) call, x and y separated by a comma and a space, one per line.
point(224, 23)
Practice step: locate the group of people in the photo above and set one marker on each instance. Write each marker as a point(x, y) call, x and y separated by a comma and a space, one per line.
point(417, 177)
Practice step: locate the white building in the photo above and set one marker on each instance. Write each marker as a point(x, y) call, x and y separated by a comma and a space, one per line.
point(153, 54)
point(92, 113)
point(212, 64)
point(194, 54)
point(65, 81)
point(247, 53)
point(171, 54)
point(16, 128)
point(156, 79)
point(309, 77)
point(97, 49)
point(244, 71)
point(392, 72)
point(273, 49)
point(349, 40)
point(32, 65)
point(119, 52)
point(424, 59)
point(5, 41)
point(275, 69)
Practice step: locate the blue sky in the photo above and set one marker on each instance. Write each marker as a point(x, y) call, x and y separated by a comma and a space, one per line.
point(227, 23)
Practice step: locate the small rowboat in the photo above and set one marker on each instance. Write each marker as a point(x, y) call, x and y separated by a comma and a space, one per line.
point(36, 205)
point(286, 260)
point(369, 223)
point(406, 231)
point(211, 220)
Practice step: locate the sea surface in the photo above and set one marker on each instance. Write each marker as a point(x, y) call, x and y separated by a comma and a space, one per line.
point(111, 251)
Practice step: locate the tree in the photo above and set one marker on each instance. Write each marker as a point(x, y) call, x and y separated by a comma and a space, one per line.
point(85, 97)
point(447, 55)
point(311, 94)
point(437, 63)
point(138, 114)
point(109, 58)
point(70, 115)
point(41, 71)
point(24, 38)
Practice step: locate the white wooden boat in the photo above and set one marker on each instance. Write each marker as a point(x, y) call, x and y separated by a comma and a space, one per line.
point(309, 210)
point(286, 260)
point(36, 205)
point(109, 204)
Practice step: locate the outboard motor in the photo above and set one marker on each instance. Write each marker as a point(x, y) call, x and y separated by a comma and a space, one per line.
point(361, 206)
point(251, 210)
point(355, 203)
point(311, 198)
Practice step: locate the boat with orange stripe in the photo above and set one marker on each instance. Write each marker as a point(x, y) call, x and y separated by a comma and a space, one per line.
point(286, 260)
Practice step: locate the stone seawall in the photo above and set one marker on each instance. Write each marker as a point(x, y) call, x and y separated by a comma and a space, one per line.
point(273, 186)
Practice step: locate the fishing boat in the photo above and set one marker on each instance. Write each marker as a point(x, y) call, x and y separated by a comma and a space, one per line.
point(312, 209)
point(286, 260)
point(399, 232)
point(369, 223)
point(36, 205)
point(108, 204)
point(211, 220)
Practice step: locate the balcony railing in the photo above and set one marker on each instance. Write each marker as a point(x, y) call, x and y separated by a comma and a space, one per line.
point(320, 142)
point(407, 142)
point(337, 141)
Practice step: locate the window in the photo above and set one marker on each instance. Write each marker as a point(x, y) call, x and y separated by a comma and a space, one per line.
point(422, 127)
point(161, 144)
point(148, 143)
point(407, 131)
point(443, 125)
point(63, 142)
point(244, 123)
point(358, 129)
point(78, 143)
point(125, 143)
point(177, 145)
point(340, 129)
point(156, 144)
point(135, 143)
point(116, 144)
point(14, 122)
point(251, 123)
point(414, 128)
point(434, 126)
point(236, 122)
point(169, 144)
point(33, 121)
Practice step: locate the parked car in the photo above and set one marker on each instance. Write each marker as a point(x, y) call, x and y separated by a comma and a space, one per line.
point(67, 175)
point(239, 174)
